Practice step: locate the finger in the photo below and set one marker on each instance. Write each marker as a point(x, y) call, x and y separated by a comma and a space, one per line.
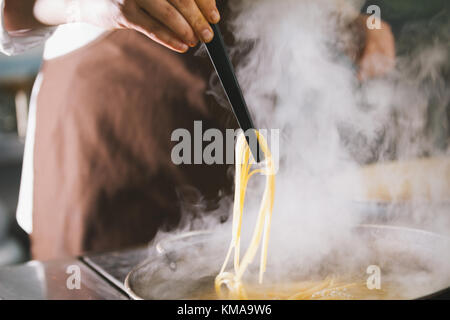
point(193, 15)
point(153, 29)
point(167, 15)
point(209, 10)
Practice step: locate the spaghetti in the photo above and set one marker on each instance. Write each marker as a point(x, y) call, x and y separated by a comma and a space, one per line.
point(329, 288)
point(244, 172)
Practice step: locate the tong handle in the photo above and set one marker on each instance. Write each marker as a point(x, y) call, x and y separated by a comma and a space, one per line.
point(219, 57)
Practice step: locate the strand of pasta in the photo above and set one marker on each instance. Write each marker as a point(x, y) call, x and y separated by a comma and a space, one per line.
point(262, 228)
point(326, 289)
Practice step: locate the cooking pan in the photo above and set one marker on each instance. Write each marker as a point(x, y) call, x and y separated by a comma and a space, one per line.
point(198, 255)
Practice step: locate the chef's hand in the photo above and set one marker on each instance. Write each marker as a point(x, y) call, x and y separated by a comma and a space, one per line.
point(378, 54)
point(176, 24)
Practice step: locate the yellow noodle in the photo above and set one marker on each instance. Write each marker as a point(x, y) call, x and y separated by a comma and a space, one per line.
point(329, 288)
point(261, 232)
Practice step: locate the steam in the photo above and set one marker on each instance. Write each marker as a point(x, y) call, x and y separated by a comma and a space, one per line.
point(296, 78)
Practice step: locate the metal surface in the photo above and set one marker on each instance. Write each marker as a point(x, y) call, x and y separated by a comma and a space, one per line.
point(405, 214)
point(219, 57)
point(111, 275)
point(49, 281)
point(115, 266)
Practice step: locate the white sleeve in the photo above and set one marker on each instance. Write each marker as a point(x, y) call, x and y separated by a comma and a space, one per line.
point(16, 42)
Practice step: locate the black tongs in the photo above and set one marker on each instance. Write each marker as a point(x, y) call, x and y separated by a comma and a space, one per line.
point(219, 57)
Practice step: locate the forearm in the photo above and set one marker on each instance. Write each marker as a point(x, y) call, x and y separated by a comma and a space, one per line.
point(176, 24)
point(32, 14)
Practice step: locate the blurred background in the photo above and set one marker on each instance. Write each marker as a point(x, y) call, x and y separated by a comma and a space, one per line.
point(17, 75)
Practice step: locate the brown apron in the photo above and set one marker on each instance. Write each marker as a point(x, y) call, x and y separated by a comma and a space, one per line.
point(103, 175)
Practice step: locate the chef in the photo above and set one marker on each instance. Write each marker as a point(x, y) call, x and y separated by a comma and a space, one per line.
point(97, 171)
